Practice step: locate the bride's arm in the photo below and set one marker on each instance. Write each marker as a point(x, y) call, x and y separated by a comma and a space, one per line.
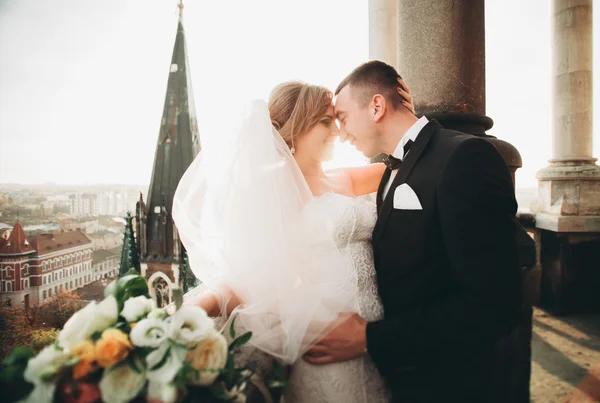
point(365, 179)
point(212, 301)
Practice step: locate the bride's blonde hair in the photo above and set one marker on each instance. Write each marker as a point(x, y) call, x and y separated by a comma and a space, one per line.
point(296, 107)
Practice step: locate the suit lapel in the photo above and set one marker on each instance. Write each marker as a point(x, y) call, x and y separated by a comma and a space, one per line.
point(407, 165)
point(386, 177)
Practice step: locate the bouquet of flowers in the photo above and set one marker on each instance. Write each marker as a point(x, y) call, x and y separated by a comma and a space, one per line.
point(122, 349)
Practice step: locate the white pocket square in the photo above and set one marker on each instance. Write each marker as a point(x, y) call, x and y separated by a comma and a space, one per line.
point(406, 199)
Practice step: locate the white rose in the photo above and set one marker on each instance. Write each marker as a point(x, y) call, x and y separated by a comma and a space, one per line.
point(49, 361)
point(93, 318)
point(165, 392)
point(120, 383)
point(208, 357)
point(171, 364)
point(149, 333)
point(135, 308)
point(189, 325)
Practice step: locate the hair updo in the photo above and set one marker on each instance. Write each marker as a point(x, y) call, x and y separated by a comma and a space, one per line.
point(296, 107)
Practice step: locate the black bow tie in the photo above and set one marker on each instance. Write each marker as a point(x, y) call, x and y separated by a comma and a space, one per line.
point(394, 163)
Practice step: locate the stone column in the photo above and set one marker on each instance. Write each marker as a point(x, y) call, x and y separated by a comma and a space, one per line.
point(567, 211)
point(572, 76)
point(569, 189)
point(441, 54)
point(383, 31)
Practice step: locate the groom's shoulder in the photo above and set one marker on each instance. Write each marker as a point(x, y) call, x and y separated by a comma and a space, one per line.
point(455, 145)
point(450, 139)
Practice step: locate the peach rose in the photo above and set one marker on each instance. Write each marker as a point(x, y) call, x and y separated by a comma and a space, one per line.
point(112, 348)
point(209, 356)
point(86, 352)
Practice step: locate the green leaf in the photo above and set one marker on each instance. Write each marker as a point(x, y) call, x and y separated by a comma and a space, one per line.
point(278, 370)
point(229, 372)
point(129, 286)
point(232, 327)
point(131, 362)
point(132, 272)
point(133, 286)
point(18, 356)
point(240, 341)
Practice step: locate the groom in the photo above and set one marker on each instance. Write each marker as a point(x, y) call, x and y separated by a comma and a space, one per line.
point(444, 248)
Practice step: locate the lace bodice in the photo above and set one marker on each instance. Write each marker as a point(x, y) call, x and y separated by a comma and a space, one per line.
point(357, 380)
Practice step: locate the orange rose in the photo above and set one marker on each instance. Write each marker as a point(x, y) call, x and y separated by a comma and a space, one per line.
point(87, 364)
point(112, 347)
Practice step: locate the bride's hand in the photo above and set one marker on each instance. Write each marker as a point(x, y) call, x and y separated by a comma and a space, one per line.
point(404, 91)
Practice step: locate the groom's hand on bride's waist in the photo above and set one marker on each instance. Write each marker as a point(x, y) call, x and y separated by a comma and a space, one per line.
point(346, 340)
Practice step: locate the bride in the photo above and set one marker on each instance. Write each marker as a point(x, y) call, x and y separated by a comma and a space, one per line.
point(283, 246)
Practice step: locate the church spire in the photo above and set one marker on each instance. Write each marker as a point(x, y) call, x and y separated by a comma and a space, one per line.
point(177, 146)
point(129, 253)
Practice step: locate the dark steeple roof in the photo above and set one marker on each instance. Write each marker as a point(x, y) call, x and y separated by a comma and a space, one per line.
point(178, 144)
point(129, 253)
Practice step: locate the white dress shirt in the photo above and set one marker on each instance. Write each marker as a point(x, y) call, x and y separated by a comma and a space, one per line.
point(411, 134)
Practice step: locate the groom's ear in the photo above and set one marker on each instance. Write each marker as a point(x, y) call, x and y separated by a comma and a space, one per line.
point(378, 107)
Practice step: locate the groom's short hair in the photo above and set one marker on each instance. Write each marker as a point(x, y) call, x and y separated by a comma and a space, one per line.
point(371, 78)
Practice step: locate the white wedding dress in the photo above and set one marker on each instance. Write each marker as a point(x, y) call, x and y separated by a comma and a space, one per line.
point(357, 380)
point(250, 224)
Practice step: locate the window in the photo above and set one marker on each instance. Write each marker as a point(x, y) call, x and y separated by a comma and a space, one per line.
point(8, 286)
point(43, 266)
point(25, 283)
point(44, 295)
point(44, 281)
point(26, 270)
point(8, 272)
point(49, 293)
point(70, 285)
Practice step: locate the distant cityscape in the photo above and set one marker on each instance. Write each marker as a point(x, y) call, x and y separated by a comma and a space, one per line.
point(97, 210)
point(61, 238)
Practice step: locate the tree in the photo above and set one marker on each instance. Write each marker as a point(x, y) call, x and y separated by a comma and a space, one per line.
point(59, 309)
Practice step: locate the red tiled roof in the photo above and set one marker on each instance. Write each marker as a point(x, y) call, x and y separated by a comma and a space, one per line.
point(17, 242)
point(48, 243)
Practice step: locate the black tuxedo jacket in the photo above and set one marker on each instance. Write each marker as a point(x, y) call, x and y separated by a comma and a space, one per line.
point(448, 275)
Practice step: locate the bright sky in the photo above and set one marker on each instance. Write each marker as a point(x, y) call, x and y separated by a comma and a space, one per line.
point(82, 82)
